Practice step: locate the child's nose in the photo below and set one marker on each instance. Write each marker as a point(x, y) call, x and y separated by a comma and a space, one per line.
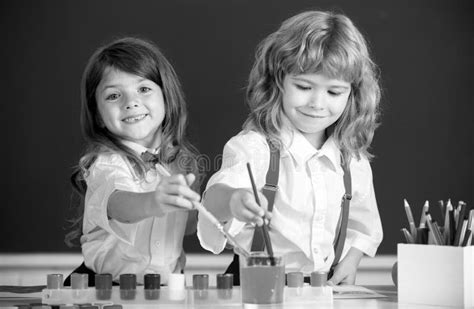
point(131, 105)
point(131, 102)
point(316, 99)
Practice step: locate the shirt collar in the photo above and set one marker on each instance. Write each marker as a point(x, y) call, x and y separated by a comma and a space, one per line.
point(137, 148)
point(331, 151)
point(300, 149)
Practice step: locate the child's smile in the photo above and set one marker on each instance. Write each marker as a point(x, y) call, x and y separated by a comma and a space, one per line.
point(131, 107)
point(309, 114)
point(134, 119)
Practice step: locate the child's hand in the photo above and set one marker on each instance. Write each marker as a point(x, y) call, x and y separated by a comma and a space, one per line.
point(244, 207)
point(174, 193)
point(345, 271)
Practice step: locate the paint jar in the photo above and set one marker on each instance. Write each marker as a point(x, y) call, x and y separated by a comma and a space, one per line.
point(294, 283)
point(79, 285)
point(103, 286)
point(177, 287)
point(152, 286)
point(319, 278)
point(224, 283)
point(201, 286)
point(53, 288)
point(262, 279)
point(128, 286)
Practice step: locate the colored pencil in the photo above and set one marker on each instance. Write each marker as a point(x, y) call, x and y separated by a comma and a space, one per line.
point(411, 221)
point(442, 207)
point(407, 235)
point(438, 233)
point(446, 227)
point(459, 223)
point(435, 234)
point(467, 237)
point(452, 227)
point(425, 209)
point(470, 226)
point(461, 212)
point(463, 229)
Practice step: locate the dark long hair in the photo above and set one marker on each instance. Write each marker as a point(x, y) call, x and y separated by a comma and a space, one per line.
point(142, 58)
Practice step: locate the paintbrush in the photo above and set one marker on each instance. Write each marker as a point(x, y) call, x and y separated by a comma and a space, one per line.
point(237, 247)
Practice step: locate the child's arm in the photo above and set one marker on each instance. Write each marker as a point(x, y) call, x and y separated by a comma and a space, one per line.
point(171, 194)
point(364, 228)
point(226, 203)
point(345, 271)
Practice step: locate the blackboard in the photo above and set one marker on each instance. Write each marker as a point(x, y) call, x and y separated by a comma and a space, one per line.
point(424, 50)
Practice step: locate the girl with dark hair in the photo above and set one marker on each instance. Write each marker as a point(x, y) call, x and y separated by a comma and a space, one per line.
point(138, 176)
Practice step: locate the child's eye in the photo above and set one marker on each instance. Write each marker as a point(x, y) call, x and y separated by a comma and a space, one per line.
point(302, 87)
point(144, 89)
point(112, 97)
point(334, 93)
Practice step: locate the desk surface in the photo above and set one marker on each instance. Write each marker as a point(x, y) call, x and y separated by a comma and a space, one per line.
point(390, 301)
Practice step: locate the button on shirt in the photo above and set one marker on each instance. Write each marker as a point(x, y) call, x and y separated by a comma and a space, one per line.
point(307, 204)
point(152, 245)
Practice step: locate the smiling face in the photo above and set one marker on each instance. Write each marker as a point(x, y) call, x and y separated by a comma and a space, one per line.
point(131, 107)
point(313, 102)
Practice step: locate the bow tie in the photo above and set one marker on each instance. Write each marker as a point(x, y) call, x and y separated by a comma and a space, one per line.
point(149, 157)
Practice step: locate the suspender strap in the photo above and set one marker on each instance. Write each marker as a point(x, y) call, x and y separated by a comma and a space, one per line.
point(271, 187)
point(343, 218)
point(269, 191)
point(271, 182)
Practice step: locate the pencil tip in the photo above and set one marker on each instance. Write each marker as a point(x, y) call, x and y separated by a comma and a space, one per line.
point(405, 202)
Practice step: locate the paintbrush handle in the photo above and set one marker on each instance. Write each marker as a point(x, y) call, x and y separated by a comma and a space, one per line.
point(266, 235)
point(237, 247)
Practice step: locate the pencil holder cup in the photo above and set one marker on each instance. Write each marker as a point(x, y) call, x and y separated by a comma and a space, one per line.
point(435, 275)
point(262, 279)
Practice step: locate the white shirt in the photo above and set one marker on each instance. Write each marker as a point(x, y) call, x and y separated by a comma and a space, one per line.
point(307, 204)
point(153, 245)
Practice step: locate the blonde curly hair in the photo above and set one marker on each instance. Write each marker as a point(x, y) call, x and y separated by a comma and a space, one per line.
point(316, 42)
